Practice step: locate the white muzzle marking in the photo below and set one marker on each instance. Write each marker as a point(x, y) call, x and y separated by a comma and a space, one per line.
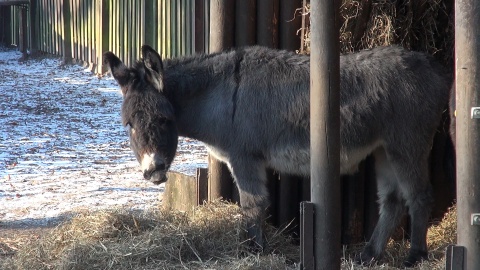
point(148, 162)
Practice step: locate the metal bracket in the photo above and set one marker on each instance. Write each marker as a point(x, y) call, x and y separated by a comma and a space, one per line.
point(454, 258)
point(475, 219)
point(475, 113)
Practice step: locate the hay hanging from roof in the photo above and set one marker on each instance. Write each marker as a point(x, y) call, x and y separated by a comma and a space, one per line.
point(421, 25)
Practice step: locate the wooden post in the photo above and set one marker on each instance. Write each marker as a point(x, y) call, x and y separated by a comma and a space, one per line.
point(267, 23)
point(245, 30)
point(467, 70)
point(222, 13)
point(222, 22)
point(325, 133)
point(290, 23)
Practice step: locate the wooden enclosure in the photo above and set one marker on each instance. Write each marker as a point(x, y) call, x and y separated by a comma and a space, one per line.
point(81, 30)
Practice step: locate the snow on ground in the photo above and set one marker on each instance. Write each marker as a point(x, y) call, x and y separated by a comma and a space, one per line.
point(63, 148)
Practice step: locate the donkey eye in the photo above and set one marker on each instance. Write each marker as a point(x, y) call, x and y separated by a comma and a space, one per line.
point(162, 121)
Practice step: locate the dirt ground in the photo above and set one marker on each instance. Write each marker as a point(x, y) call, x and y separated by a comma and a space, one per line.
point(63, 148)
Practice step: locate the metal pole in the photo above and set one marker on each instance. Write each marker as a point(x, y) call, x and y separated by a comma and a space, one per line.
point(467, 70)
point(325, 132)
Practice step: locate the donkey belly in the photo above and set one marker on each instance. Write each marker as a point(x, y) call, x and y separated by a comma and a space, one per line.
point(350, 158)
point(291, 160)
point(297, 160)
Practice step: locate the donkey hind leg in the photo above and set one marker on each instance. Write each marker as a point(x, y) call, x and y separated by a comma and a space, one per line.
point(250, 176)
point(391, 209)
point(417, 192)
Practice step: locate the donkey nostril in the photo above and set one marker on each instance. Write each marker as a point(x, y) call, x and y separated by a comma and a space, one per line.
point(147, 174)
point(161, 166)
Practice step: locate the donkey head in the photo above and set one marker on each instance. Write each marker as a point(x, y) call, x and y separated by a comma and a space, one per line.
point(146, 112)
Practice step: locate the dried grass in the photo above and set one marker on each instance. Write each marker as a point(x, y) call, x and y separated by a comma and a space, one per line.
point(211, 238)
point(423, 25)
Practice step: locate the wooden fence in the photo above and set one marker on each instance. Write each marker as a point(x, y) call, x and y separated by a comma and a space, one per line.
point(83, 29)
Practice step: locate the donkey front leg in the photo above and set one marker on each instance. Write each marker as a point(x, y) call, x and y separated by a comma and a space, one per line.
point(250, 176)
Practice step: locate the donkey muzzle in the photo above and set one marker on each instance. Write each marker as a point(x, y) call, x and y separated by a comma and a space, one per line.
point(156, 177)
point(154, 169)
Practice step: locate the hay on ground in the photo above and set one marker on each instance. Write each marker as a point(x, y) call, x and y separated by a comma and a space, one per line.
point(211, 238)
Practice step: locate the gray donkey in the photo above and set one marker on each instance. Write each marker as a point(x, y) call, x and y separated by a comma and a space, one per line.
point(250, 106)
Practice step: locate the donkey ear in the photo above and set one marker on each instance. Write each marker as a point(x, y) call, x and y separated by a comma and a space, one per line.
point(117, 68)
point(153, 62)
point(152, 59)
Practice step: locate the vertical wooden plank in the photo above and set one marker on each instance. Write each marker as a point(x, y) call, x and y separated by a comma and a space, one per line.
point(132, 30)
point(183, 27)
point(168, 23)
point(120, 33)
point(90, 29)
point(267, 23)
point(45, 25)
point(87, 24)
point(288, 200)
point(245, 24)
point(126, 34)
point(33, 23)
point(60, 37)
point(147, 20)
point(220, 183)
point(40, 16)
point(82, 31)
point(53, 26)
point(105, 37)
point(116, 27)
point(22, 30)
point(73, 21)
point(98, 29)
point(199, 29)
point(67, 22)
point(110, 20)
point(61, 34)
point(289, 24)
point(190, 22)
point(171, 28)
point(202, 185)
point(50, 26)
point(207, 26)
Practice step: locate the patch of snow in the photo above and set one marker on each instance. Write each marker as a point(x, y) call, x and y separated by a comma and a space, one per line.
point(63, 147)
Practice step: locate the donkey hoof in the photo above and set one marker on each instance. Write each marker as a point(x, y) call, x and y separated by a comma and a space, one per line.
point(415, 257)
point(366, 258)
point(255, 247)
